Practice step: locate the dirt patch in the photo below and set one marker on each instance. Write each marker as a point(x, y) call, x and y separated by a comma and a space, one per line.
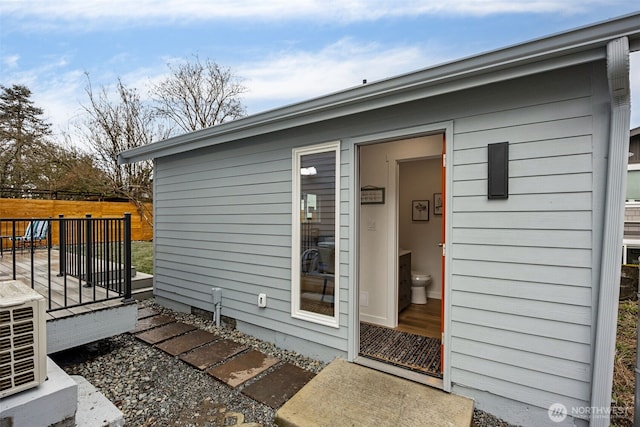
point(624, 364)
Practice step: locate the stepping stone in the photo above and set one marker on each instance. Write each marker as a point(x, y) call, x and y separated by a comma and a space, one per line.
point(146, 312)
point(170, 330)
point(187, 342)
point(151, 322)
point(243, 368)
point(213, 353)
point(275, 388)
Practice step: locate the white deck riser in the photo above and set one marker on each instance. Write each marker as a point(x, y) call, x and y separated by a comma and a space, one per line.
point(84, 328)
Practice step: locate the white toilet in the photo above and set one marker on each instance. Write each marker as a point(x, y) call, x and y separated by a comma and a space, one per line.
point(419, 283)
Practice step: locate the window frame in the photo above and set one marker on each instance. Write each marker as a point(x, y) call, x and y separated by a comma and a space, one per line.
point(296, 311)
point(632, 167)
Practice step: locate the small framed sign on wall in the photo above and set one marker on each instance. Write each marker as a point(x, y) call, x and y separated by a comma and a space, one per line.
point(372, 195)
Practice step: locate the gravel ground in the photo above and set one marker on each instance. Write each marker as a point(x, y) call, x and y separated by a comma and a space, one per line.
point(153, 388)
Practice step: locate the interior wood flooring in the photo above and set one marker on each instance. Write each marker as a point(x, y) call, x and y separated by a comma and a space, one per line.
point(421, 319)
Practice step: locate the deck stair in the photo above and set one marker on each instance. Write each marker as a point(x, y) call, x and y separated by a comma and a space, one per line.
point(141, 286)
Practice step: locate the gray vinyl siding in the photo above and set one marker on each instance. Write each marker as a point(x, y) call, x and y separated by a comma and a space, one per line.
point(522, 281)
point(223, 219)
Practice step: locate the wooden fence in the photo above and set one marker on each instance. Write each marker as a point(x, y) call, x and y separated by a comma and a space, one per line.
point(30, 208)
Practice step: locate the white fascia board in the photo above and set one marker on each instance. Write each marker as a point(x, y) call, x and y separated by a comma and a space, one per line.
point(553, 52)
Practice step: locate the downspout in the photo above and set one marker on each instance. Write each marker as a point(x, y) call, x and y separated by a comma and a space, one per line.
point(605, 334)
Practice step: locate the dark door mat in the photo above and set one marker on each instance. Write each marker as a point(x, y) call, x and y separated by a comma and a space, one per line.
point(146, 312)
point(414, 352)
point(210, 354)
point(242, 368)
point(275, 388)
point(162, 333)
point(151, 322)
point(187, 342)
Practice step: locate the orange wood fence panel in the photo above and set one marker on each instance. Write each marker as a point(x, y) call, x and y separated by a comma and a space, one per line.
point(29, 208)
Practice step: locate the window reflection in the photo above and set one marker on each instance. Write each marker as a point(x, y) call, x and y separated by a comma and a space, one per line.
point(317, 232)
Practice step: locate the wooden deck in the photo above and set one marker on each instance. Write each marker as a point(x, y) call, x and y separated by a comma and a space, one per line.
point(45, 272)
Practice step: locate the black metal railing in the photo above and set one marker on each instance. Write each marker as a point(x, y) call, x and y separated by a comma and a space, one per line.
point(71, 261)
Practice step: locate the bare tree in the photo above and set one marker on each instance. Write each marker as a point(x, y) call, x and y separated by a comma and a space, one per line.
point(199, 95)
point(72, 170)
point(115, 124)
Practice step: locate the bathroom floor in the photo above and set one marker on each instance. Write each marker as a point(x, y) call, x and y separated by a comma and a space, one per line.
point(421, 319)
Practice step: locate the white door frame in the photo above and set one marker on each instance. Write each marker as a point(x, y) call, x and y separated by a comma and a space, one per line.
point(353, 338)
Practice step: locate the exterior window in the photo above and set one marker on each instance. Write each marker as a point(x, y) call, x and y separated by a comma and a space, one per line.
point(633, 183)
point(630, 254)
point(633, 169)
point(315, 239)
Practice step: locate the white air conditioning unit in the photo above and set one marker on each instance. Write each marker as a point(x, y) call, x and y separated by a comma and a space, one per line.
point(23, 345)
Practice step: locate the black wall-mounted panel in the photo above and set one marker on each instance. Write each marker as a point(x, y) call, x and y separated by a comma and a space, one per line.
point(498, 178)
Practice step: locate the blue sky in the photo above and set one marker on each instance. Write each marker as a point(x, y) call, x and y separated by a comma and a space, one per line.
point(285, 51)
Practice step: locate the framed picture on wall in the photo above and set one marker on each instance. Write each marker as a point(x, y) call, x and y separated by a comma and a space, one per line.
point(420, 210)
point(437, 203)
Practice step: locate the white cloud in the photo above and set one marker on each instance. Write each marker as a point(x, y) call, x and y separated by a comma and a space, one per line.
point(153, 12)
point(55, 89)
point(11, 61)
point(60, 98)
point(293, 76)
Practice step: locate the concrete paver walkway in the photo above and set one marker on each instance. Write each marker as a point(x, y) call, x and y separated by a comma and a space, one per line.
point(279, 386)
point(231, 363)
point(164, 332)
point(341, 394)
point(189, 341)
point(151, 322)
point(242, 368)
point(211, 354)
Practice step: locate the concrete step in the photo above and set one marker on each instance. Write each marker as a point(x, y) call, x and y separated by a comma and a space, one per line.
point(94, 409)
point(141, 281)
point(142, 294)
point(62, 400)
point(54, 402)
point(344, 393)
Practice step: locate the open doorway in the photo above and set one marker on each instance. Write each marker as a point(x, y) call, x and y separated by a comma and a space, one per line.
point(400, 255)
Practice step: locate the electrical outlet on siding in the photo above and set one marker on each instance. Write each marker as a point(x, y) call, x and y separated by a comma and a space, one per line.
point(262, 300)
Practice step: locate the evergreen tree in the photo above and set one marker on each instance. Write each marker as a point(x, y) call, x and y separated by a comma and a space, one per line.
point(23, 134)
